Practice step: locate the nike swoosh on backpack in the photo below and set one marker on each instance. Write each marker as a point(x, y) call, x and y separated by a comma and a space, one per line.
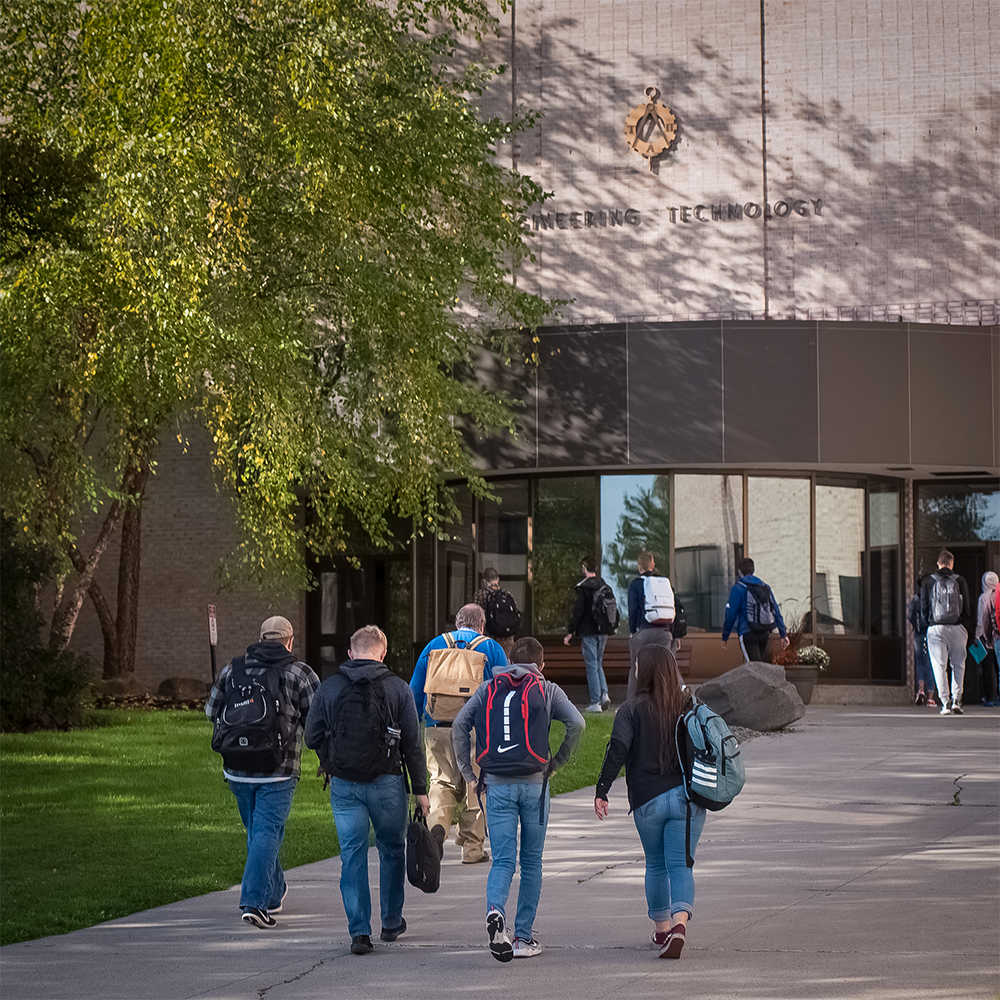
point(505, 749)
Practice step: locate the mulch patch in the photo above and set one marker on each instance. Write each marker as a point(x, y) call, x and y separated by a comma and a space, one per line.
point(148, 702)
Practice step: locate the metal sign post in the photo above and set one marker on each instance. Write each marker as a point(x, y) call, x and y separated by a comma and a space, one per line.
point(213, 636)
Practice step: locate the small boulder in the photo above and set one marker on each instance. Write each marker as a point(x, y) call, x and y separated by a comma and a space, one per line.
point(183, 689)
point(754, 696)
point(121, 684)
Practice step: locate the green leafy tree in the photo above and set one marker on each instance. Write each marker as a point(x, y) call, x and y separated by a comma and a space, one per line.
point(282, 218)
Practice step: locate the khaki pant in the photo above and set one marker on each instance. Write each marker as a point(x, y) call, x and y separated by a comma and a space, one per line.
point(447, 793)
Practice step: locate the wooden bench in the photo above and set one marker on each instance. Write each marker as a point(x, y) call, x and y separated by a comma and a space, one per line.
point(564, 664)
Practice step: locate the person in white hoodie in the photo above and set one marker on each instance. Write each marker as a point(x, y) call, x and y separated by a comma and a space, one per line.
point(512, 714)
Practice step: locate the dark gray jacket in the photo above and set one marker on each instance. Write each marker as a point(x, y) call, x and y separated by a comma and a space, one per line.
point(401, 708)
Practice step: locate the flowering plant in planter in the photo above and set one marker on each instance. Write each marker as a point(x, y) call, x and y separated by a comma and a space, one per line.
point(813, 656)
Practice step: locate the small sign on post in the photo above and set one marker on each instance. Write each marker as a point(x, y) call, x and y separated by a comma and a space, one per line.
point(213, 636)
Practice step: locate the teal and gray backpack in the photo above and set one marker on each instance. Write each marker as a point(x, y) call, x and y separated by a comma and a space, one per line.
point(710, 761)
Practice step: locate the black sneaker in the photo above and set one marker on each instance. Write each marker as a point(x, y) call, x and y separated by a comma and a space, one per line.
point(361, 944)
point(391, 935)
point(258, 917)
point(956, 707)
point(921, 698)
point(500, 946)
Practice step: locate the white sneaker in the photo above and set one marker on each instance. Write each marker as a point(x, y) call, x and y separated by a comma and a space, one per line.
point(945, 707)
point(496, 927)
point(606, 702)
point(596, 707)
point(526, 949)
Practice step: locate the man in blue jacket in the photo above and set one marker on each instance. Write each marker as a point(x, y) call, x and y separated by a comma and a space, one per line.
point(447, 790)
point(754, 612)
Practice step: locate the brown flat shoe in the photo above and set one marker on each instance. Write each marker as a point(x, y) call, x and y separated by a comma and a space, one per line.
point(476, 861)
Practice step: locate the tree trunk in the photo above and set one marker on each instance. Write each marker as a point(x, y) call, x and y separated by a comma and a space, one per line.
point(136, 477)
point(65, 616)
point(108, 629)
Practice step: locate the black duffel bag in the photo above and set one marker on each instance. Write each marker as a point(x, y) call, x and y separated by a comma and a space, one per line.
point(424, 851)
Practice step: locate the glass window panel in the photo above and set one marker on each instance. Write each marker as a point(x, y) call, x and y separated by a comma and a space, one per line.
point(503, 539)
point(886, 600)
point(778, 540)
point(457, 560)
point(564, 534)
point(343, 602)
point(708, 543)
point(635, 515)
point(949, 513)
point(840, 549)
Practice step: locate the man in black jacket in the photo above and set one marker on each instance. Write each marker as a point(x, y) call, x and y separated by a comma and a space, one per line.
point(583, 622)
point(944, 600)
point(363, 725)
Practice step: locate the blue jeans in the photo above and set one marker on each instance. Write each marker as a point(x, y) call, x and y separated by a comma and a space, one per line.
point(506, 806)
point(661, 824)
point(383, 804)
point(593, 654)
point(264, 808)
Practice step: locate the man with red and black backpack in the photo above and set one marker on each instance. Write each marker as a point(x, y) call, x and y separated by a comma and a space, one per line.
point(988, 630)
point(512, 715)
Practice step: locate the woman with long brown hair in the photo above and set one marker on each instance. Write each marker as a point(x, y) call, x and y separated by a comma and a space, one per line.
point(643, 740)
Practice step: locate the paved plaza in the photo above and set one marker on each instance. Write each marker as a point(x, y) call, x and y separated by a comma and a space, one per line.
point(861, 861)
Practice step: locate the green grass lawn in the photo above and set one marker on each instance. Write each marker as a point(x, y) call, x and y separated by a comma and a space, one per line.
point(134, 813)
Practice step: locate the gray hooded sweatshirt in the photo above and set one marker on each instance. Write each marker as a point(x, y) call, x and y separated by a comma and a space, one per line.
point(559, 707)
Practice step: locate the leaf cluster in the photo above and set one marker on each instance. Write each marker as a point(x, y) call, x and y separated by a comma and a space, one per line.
point(285, 217)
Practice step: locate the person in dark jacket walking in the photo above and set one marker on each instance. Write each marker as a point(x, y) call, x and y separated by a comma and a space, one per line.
point(584, 623)
point(643, 740)
point(265, 799)
point(945, 604)
point(375, 799)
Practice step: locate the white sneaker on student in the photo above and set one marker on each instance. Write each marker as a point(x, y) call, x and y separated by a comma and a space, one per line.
point(526, 948)
point(596, 707)
point(496, 927)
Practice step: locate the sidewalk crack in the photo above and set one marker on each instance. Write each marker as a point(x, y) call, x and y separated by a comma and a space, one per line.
point(262, 992)
point(957, 797)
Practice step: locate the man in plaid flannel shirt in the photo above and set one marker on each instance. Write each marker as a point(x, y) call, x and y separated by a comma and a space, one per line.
point(264, 800)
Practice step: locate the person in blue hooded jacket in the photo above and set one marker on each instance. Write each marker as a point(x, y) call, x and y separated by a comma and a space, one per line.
point(747, 592)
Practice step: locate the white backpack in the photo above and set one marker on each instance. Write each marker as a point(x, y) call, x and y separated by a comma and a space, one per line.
point(658, 596)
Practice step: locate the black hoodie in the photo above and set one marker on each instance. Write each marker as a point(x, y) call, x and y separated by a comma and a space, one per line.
point(401, 708)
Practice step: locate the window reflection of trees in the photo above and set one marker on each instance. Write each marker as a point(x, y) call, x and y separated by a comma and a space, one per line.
point(644, 525)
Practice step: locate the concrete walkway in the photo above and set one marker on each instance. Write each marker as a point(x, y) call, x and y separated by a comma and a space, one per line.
point(862, 860)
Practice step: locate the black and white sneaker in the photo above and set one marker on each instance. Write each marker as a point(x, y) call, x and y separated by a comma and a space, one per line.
point(258, 917)
point(281, 902)
point(500, 947)
point(956, 707)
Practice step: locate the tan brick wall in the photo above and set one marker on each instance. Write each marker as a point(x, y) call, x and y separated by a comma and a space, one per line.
point(187, 528)
point(886, 111)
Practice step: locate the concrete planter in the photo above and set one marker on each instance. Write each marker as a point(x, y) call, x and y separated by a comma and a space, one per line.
point(803, 677)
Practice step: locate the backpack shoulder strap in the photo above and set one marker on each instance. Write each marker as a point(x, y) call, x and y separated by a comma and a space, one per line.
point(478, 641)
point(449, 639)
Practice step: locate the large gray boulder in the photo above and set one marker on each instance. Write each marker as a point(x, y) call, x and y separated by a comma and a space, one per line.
point(754, 696)
point(183, 689)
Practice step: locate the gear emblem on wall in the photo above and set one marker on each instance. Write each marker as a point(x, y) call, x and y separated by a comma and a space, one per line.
point(651, 128)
